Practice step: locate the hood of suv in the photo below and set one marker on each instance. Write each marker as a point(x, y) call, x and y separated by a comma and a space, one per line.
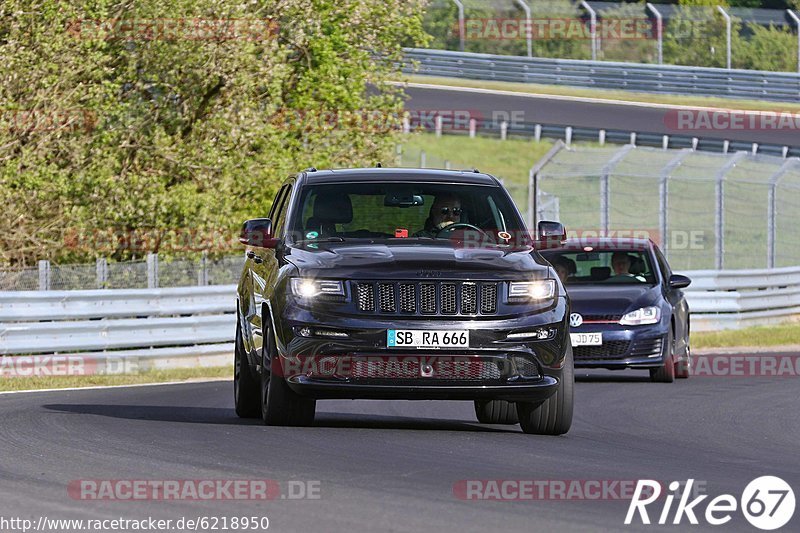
point(428, 260)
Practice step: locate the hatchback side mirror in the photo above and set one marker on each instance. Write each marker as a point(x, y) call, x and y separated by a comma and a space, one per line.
point(676, 281)
point(258, 232)
point(550, 234)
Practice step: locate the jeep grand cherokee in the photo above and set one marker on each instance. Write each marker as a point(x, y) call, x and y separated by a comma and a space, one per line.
point(401, 284)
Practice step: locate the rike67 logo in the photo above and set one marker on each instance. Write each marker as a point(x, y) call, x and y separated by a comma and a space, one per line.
point(767, 503)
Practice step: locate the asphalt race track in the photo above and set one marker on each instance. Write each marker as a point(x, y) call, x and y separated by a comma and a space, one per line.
point(392, 466)
point(545, 110)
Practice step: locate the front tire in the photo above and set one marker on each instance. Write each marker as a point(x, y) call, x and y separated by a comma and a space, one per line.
point(666, 372)
point(496, 412)
point(245, 384)
point(683, 367)
point(280, 405)
point(554, 415)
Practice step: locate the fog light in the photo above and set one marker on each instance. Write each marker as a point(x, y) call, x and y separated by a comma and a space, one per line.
point(306, 331)
point(541, 334)
point(330, 333)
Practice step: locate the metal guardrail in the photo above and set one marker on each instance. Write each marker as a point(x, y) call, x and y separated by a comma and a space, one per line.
point(667, 79)
point(193, 326)
point(602, 136)
point(159, 328)
point(740, 298)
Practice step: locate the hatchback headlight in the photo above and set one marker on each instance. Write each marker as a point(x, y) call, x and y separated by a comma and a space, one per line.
point(309, 288)
point(641, 317)
point(543, 289)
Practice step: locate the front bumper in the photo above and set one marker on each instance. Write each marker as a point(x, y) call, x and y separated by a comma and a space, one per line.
point(623, 347)
point(361, 366)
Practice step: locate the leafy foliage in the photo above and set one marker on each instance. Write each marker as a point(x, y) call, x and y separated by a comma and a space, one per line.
point(107, 123)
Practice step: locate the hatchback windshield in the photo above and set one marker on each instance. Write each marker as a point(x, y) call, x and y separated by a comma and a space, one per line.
point(604, 267)
point(420, 211)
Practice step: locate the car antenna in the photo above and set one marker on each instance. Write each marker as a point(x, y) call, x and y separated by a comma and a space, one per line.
point(475, 170)
point(310, 169)
point(379, 165)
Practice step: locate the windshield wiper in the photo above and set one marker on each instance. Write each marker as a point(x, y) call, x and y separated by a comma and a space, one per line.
point(324, 239)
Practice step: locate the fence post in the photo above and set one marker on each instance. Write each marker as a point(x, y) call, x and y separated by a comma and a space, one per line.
point(659, 31)
point(528, 25)
point(719, 211)
point(533, 185)
point(772, 211)
point(727, 35)
point(101, 272)
point(461, 26)
point(422, 159)
point(663, 197)
point(202, 274)
point(797, 22)
point(605, 187)
point(503, 130)
point(592, 27)
point(44, 275)
point(152, 271)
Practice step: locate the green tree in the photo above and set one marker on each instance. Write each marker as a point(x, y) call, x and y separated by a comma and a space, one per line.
point(117, 126)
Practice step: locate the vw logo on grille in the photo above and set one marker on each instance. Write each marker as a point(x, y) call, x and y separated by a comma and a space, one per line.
point(575, 320)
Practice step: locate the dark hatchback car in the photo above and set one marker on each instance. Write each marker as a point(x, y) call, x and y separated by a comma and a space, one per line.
point(400, 284)
point(628, 310)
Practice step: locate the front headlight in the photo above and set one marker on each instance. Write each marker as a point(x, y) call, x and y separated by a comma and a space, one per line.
point(641, 317)
point(543, 289)
point(309, 288)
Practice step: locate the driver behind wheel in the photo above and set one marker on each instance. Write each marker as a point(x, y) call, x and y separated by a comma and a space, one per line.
point(446, 210)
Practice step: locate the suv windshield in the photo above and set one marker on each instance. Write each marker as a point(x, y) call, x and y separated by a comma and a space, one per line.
point(424, 212)
point(603, 267)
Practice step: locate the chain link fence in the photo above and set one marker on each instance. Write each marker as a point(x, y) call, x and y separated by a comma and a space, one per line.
point(761, 39)
point(151, 273)
point(706, 210)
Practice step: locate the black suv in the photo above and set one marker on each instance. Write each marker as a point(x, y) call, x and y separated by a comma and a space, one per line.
point(401, 284)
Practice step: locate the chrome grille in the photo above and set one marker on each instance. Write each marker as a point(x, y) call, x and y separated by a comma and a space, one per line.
point(366, 296)
point(488, 298)
point(448, 299)
point(427, 302)
point(408, 297)
point(469, 298)
point(428, 297)
point(386, 297)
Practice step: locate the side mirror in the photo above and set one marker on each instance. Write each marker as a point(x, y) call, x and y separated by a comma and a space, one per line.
point(550, 234)
point(676, 281)
point(258, 232)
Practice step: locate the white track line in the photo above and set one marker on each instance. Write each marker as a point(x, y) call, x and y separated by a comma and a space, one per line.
point(584, 99)
point(100, 387)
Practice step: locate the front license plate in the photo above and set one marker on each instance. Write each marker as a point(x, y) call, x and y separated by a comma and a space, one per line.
point(586, 339)
point(423, 338)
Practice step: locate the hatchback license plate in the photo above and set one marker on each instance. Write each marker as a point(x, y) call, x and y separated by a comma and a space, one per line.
point(586, 339)
point(423, 338)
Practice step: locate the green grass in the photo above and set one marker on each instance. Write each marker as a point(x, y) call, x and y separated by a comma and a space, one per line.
point(759, 336)
point(630, 96)
point(151, 376)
